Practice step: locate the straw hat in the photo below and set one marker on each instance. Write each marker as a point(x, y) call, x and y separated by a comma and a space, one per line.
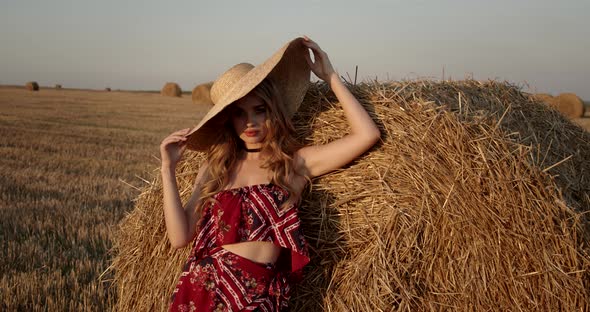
point(288, 69)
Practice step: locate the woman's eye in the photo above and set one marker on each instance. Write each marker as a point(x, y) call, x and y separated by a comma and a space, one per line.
point(261, 110)
point(238, 113)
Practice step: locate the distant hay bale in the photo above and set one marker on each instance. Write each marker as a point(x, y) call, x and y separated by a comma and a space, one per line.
point(32, 86)
point(473, 200)
point(201, 94)
point(543, 97)
point(171, 89)
point(58, 86)
point(107, 89)
point(569, 104)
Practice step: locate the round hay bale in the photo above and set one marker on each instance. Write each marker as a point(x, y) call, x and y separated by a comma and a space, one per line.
point(32, 86)
point(201, 94)
point(171, 89)
point(107, 89)
point(453, 209)
point(569, 104)
point(58, 86)
point(543, 97)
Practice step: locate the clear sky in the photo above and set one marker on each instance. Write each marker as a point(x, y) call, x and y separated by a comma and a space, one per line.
point(142, 44)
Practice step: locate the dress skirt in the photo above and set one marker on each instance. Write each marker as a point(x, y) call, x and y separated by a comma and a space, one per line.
point(225, 281)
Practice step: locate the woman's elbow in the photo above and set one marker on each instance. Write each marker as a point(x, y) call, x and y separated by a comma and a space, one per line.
point(374, 135)
point(178, 243)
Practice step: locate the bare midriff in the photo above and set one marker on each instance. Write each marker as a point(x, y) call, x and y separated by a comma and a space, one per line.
point(260, 252)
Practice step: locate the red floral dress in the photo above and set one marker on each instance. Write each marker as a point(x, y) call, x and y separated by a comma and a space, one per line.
point(215, 279)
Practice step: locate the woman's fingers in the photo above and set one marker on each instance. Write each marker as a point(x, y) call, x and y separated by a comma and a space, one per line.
point(177, 137)
point(307, 41)
point(320, 65)
point(180, 134)
point(318, 53)
point(308, 58)
point(315, 48)
point(173, 146)
point(182, 131)
point(173, 139)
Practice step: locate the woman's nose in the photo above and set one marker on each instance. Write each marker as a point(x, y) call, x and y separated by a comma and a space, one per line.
point(251, 118)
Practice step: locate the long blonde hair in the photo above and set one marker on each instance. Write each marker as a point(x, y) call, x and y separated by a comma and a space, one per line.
point(277, 151)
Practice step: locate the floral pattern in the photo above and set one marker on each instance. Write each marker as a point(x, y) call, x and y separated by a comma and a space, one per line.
point(213, 283)
point(215, 279)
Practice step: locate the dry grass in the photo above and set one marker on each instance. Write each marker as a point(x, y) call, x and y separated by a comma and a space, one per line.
point(452, 211)
point(65, 154)
point(472, 201)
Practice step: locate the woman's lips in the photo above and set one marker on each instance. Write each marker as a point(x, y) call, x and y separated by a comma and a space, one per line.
point(251, 133)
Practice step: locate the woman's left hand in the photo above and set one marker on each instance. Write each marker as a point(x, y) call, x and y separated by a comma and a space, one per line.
point(322, 66)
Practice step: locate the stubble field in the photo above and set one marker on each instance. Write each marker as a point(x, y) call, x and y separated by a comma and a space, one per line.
point(71, 161)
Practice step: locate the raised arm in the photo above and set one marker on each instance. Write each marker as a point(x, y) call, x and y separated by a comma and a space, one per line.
point(320, 159)
point(181, 221)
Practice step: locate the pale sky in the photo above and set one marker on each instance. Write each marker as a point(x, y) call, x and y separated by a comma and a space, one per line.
point(142, 44)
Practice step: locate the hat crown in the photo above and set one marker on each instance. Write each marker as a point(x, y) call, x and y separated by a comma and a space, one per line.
point(228, 80)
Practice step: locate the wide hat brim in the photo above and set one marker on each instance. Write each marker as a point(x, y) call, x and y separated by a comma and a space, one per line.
point(289, 70)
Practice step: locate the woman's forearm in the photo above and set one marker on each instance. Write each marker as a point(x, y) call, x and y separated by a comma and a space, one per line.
point(359, 120)
point(174, 214)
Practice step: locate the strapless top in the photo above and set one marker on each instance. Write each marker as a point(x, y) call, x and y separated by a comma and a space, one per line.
point(254, 213)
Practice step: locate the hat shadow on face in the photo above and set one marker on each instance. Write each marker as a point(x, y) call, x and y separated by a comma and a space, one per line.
point(224, 124)
point(289, 69)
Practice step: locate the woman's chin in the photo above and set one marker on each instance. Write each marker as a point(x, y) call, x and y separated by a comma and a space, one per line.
point(252, 141)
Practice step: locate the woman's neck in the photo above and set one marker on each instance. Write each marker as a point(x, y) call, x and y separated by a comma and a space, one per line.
point(250, 156)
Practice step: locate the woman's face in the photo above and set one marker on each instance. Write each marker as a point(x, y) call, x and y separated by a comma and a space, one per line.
point(248, 116)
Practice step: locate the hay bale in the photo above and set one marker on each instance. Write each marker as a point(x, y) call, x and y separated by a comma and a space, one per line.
point(569, 104)
point(201, 94)
point(32, 86)
point(107, 89)
point(58, 86)
point(171, 89)
point(543, 97)
point(455, 209)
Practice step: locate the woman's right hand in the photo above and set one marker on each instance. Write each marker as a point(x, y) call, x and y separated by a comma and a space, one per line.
point(172, 147)
point(321, 66)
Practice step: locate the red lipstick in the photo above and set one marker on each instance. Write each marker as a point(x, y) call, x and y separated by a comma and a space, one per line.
point(250, 133)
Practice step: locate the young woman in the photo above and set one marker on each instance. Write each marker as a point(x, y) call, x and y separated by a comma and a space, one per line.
point(248, 248)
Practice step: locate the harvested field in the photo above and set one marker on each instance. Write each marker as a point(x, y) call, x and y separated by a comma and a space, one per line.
point(71, 163)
